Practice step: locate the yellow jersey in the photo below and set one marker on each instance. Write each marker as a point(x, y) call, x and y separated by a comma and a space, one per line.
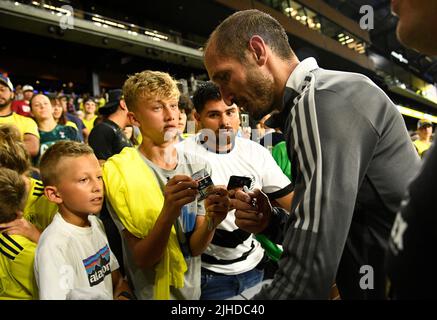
point(26, 125)
point(17, 280)
point(39, 210)
point(421, 146)
point(89, 124)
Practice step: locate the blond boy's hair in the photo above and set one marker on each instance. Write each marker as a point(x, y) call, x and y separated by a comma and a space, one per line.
point(13, 154)
point(50, 160)
point(13, 194)
point(149, 84)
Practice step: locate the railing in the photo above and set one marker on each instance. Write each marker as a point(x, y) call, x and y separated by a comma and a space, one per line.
point(60, 9)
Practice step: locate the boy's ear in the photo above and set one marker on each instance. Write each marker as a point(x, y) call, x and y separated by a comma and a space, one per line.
point(133, 120)
point(52, 194)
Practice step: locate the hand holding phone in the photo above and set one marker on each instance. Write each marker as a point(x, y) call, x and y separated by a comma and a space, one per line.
point(238, 182)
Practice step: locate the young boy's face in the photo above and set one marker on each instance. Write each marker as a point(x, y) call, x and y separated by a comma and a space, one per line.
point(158, 118)
point(80, 185)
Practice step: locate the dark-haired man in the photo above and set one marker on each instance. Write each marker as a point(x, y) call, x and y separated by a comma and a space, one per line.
point(350, 153)
point(234, 261)
point(27, 127)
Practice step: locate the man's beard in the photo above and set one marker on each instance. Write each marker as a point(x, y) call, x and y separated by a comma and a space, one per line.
point(6, 104)
point(263, 92)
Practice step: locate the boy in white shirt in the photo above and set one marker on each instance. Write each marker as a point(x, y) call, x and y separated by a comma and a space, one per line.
point(73, 259)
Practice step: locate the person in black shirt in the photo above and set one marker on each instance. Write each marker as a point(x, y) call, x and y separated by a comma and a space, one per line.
point(414, 236)
point(106, 139)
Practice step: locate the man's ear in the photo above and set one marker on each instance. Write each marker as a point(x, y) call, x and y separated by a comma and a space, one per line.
point(52, 194)
point(133, 120)
point(123, 105)
point(196, 116)
point(258, 49)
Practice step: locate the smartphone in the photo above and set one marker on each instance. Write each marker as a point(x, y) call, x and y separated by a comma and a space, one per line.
point(236, 182)
point(244, 120)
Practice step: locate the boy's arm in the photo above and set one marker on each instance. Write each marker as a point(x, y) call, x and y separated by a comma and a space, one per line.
point(120, 287)
point(216, 206)
point(179, 191)
point(23, 228)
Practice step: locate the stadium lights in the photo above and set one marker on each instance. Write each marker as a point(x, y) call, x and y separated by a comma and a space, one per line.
point(155, 34)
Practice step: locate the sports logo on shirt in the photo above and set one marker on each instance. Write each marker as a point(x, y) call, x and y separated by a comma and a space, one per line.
point(97, 266)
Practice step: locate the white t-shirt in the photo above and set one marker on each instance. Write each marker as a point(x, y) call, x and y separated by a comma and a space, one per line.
point(72, 259)
point(233, 251)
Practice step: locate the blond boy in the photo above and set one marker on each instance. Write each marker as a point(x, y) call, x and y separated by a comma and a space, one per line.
point(153, 199)
point(16, 252)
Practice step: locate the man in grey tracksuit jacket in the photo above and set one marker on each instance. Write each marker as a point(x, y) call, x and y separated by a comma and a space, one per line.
point(349, 149)
point(353, 160)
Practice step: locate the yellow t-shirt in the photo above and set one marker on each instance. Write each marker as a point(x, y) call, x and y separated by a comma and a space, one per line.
point(39, 210)
point(89, 124)
point(17, 280)
point(421, 146)
point(26, 125)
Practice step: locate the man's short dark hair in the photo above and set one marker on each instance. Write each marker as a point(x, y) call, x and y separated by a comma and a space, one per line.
point(205, 92)
point(233, 34)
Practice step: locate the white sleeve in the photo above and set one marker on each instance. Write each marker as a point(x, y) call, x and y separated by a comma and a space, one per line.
point(113, 261)
point(54, 275)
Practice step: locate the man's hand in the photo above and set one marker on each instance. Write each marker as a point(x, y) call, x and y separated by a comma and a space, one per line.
point(23, 228)
point(217, 205)
point(179, 191)
point(251, 216)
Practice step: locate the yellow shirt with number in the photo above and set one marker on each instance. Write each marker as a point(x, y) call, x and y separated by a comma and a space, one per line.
point(26, 125)
point(17, 280)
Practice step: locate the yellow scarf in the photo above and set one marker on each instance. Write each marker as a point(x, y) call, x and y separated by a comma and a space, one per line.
point(137, 199)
